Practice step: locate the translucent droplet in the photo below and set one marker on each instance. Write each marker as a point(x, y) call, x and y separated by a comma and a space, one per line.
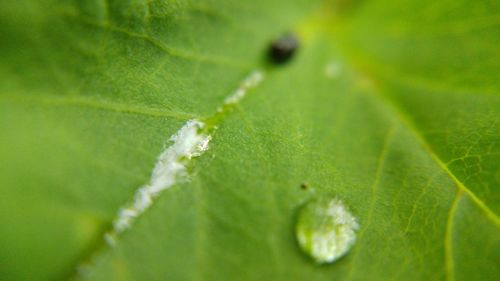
point(333, 70)
point(326, 230)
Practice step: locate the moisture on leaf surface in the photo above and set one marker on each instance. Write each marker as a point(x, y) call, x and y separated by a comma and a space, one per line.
point(326, 230)
point(392, 106)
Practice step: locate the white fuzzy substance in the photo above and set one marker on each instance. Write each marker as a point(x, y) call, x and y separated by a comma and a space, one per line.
point(252, 81)
point(188, 142)
point(171, 166)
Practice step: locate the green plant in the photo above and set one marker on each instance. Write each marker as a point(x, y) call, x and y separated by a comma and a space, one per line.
point(392, 107)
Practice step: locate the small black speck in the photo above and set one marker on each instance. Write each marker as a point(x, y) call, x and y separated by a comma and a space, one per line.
point(283, 49)
point(304, 186)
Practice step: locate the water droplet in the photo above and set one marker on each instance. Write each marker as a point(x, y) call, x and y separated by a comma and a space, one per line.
point(333, 70)
point(326, 230)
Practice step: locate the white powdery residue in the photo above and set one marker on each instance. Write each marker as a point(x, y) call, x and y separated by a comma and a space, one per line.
point(252, 81)
point(188, 142)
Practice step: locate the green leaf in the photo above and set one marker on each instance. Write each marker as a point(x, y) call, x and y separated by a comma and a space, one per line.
point(392, 108)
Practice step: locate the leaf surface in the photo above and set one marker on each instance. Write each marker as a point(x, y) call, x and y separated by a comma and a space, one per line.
point(392, 108)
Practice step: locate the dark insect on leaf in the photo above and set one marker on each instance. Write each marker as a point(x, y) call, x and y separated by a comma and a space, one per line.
point(283, 49)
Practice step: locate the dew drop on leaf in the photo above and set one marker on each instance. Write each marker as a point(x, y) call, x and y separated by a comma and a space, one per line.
point(333, 70)
point(325, 229)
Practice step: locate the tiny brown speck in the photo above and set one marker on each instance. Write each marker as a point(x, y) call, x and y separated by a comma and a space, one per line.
point(304, 186)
